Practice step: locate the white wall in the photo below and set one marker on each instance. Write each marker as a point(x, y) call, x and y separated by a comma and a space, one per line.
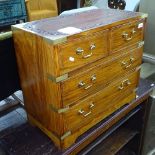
point(131, 5)
point(148, 6)
point(101, 3)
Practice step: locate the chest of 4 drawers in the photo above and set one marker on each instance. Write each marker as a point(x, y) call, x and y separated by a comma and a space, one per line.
point(72, 81)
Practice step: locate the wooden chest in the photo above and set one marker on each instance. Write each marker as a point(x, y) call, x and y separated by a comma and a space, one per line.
point(76, 70)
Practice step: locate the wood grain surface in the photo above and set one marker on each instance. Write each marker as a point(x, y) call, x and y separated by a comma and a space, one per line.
point(134, 32)
point(105, 102)
point(105, 73)
point(69, 59)
point(85, 21)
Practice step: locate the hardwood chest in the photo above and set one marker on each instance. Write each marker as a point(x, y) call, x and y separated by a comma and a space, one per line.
point(78, 69)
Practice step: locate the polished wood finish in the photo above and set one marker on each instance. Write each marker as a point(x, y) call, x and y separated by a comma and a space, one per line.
point(100, 104)
point(70, 60)
point(72, 138)
point(36, 79)
point(71, 91)
point(53, 65)
point(126, 34)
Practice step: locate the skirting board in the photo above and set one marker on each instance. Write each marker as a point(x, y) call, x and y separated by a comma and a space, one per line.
point(149, 58)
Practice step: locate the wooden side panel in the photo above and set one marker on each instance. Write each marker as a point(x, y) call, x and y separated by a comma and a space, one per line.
point(35, 59)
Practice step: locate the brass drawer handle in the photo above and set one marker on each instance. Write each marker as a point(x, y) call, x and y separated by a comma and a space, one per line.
point(80, 51)
point(124, 84)
point(128, 64)
point(93, 77)
point(83, 84)
point(128, 36)
point(85, 114)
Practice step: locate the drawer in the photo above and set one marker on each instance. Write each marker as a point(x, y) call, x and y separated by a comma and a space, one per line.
point(126, 35)
point(108, 99)
point(82, 51)
point(95, 79)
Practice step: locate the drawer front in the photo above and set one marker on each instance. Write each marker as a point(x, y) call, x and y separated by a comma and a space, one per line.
point(126, 35)
point(83, 51)
point(92, 80)
point(101, 102)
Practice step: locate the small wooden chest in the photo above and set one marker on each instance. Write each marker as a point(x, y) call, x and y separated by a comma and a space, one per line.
point(76, 70)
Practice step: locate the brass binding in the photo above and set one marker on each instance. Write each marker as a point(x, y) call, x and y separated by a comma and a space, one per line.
point(55, 40)
point(57, 79)
point(59, 111)
point(66, 135)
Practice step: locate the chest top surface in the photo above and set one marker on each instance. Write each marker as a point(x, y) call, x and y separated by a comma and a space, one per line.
point(67, 25)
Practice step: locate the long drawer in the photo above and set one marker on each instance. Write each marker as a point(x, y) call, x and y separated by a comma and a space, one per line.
point(95, 79)
point(102, 103)
point(126, 35)
point(83, 50)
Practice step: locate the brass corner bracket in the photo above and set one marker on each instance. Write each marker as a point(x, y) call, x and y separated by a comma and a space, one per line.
point(59, 111)
point(56, 40)
point(57, 79)
point(66, 135)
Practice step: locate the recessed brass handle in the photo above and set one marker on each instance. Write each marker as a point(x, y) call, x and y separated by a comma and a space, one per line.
point(85, 86)
point(81, 84)
point(128, 64)
point(92, 46)
point(128, 36)
point(80, 51)
point(124, 84)
point(85, 114)
point(93, 77)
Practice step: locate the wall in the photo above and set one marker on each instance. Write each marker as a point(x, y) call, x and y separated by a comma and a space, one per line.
point(148, 6)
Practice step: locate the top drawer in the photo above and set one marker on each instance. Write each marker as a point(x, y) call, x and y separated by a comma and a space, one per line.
point(82, 51)
point(126, 35)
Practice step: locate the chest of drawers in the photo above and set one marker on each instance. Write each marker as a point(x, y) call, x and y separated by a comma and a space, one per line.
point(76, 70)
